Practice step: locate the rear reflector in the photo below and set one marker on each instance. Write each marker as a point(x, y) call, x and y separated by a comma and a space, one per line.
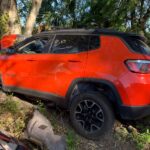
point(138, 66)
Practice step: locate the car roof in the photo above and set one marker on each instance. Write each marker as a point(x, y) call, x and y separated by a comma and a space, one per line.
point(88, 32)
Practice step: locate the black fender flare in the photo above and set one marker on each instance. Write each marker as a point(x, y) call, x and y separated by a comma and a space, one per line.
point(98, 81)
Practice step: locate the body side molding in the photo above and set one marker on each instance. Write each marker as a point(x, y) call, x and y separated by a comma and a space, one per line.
point(44, 95)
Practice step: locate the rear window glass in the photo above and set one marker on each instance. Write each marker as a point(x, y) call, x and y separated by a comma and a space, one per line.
point(138, 45)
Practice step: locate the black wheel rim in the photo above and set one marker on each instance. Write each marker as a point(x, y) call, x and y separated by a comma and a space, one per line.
point(89, 115)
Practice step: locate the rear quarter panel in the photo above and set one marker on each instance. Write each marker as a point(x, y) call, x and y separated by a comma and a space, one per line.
point(107, 63)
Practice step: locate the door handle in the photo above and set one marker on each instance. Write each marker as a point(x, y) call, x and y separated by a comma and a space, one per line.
point(74, 61)
point(30, 60)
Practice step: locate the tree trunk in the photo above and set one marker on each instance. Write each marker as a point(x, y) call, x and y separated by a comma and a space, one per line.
point(36, 5)
point(14, 22)
point(4, 5)
point(10, 7)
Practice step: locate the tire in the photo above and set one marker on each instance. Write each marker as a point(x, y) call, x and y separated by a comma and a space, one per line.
point(91, 115)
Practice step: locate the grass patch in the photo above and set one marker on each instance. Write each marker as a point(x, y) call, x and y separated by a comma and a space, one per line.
point(41, 107)
point(142, 140)
point(71, 140)
point(137, 132)
point(142, 137)
point(9, 106)
point(12, 116)
point(53, 120)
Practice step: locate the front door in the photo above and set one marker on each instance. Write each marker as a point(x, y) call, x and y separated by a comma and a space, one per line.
point(21, 68)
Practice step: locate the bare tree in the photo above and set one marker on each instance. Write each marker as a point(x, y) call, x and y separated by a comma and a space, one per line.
point(36, 4)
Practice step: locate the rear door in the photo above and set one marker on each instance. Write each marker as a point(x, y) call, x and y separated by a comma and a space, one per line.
point(67, 62)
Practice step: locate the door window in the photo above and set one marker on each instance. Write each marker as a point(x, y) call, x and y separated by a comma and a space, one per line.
point(35, 46)
point(66, 44)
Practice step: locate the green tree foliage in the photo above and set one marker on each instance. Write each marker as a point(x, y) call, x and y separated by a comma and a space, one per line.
point(24, 7)
point(123, 15)
point(58, 13)
point(132, 15)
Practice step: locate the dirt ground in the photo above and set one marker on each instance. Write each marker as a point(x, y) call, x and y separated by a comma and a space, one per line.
point(119, 139)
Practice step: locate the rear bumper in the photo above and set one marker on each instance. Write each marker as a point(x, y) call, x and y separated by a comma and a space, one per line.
point(134, 113)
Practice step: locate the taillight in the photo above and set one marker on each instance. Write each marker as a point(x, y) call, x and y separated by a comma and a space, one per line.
point(138, 66)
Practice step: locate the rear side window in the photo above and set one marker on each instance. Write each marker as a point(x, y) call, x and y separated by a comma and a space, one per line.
point(94, 42)
point(66, 44)
point(138, 45)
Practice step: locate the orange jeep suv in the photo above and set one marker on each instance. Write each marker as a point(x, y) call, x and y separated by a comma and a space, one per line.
point(96, 74)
